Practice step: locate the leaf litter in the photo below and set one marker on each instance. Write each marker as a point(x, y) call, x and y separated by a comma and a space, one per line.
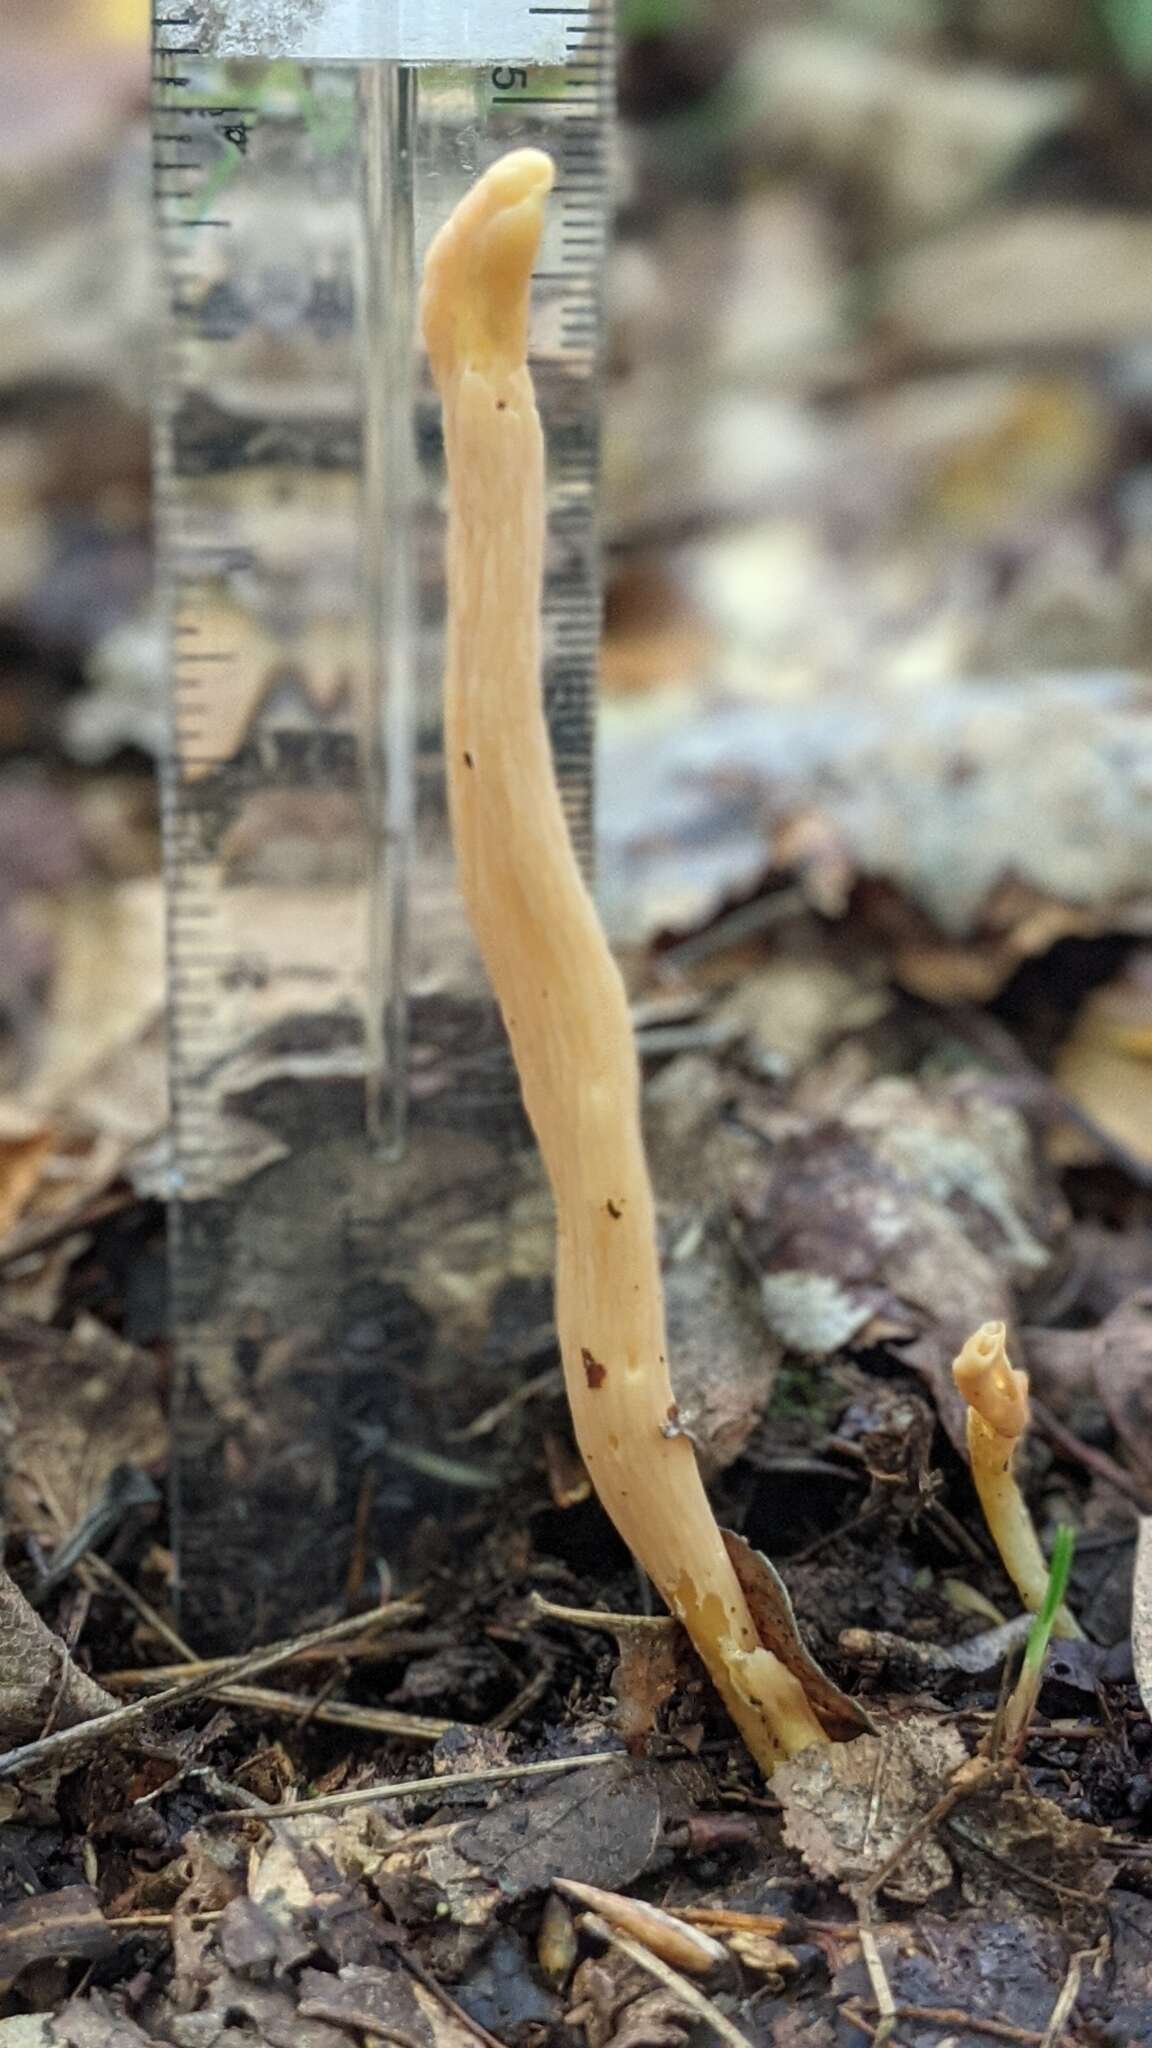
point(848, 1185)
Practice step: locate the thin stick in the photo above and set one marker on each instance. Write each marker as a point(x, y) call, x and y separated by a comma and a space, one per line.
point(105, 1727)
point(445, 1998)
point(561, 993)
point(688, 1993)
point(877, 1974)
point(1087, 1455)
point(419, 1788)
point(361, 1650)
point(101, 1569)
point(597, 1617)
point(970, 2022)
point(336, 1713)
point(1066, 1997)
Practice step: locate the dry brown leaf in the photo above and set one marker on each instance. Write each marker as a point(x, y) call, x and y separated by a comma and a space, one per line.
point(611, 2001)
point(53, 1927)
point(79, 1406)
point(913, 1208)
point(37, 1675)
point(762, 1953)
point(724, 1360)
point(22, 1156)
point(1105, 1065)
point(771, 1610)
point(1123, 1374)
point(1005, 1833)
point(850, 1806)
point(920, 800)
point(647, 1673)
point(108, 987)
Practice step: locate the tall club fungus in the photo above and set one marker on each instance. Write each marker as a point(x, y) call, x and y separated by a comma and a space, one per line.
point(560, 991)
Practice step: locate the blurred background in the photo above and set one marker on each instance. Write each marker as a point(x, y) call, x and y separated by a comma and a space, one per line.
point(878, 525)
point(878, 418)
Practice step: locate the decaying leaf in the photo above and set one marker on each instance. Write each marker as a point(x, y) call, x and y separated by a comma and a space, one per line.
point(1122, 1356)
point(108, 986)
point(648, 1670)
point(723, 1359)
point(80, 1406)
point(771, 1610)
point(372, 2001)
point(27, 2030)
point(600, 1824)
point(97, 2019)
point(24, 1145)
point(37, 1675)
point(1012, 1845)
point(1105, 1065)
point(915, 1207)
point(616, 2006)
point(51, 1927)
point(850, 1806)
point(763, 1954)
point(794, 1010)
point(923, 795)
point(603, 1828)
point(1003, 1967)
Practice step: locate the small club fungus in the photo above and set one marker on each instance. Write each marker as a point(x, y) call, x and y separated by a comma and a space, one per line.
point(997, 1398)
point(560, 991)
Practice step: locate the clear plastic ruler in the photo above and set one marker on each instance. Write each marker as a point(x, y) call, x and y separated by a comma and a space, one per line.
point(358, 1232)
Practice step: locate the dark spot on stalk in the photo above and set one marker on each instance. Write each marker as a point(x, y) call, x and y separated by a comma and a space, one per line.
point(468, 762)
point(614, 1209)
point(501, 405)
point(594, 1372)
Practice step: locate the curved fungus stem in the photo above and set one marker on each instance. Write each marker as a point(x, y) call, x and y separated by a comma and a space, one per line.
point(998, 1414)
point(560, 990)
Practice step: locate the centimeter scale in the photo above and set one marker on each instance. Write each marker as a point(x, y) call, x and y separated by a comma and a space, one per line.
point(361, 1239)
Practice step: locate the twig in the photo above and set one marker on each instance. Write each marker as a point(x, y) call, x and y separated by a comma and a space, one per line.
point(1068, 1994)
point(458, 2012)
point(422, 1788)
point(979, 1774)
point(68, 1640)
point(98, 1730)
point(368, 1650)
point(734, 928)
point(41, 1237)
point(532, 1690)
point(101, 1569)
point(158, 1920)
point(1023, 1874)
point(597, 1617)
point(877, 1974)
point(988, 1036)
point(688, 1993)
point(337, 1713)
point(1087, 1455)
point(550, 1381)
point(718, 1918)
point(953, 2016)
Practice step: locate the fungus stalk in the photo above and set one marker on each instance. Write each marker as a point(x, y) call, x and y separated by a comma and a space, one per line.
point(997, 1398)
point(558, 986)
